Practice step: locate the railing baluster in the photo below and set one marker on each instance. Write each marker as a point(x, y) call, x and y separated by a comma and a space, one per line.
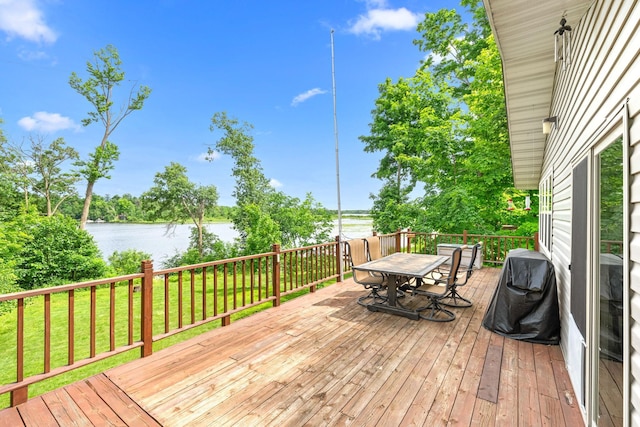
point(166, 303)
point(252, 283)
point(20, 341)
point(235, 285)
point(225, 290)
point(215, 291)
point(244, 279)
point(204, 293)
point(47, 333)
point(92, 324)
point(193, 296)
point(180, 307)
point(71, 328)
point(112, 317)
point(130, 313)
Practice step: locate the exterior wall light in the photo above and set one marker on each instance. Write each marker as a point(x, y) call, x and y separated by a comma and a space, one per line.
point(546, 124)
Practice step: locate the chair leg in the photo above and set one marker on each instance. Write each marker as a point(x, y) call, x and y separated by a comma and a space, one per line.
point(454, 299)
point(437, 313)
point(374, 295)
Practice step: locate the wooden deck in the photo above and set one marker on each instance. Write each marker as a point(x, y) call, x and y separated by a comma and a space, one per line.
point(324, 360)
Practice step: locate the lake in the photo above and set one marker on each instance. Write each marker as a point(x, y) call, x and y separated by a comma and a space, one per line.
point(153, 238)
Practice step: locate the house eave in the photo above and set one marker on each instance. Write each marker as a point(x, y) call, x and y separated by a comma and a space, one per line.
point(524, 32)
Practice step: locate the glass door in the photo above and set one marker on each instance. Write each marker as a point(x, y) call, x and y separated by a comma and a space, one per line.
point(608, 292)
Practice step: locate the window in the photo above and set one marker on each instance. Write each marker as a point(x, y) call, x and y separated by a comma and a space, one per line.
point(545, 206)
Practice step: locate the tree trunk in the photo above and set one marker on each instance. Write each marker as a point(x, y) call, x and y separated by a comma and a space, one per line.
point(87, 204)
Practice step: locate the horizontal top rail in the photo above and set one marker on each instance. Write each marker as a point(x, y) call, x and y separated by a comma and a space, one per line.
point(64, 288)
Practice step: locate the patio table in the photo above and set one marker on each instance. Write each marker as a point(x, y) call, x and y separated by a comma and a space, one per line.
point(400, 265)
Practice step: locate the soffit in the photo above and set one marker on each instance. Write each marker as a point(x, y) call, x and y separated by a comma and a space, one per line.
point(524, 32)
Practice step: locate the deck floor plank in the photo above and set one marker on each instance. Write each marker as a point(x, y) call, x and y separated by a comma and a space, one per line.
point(323, 360)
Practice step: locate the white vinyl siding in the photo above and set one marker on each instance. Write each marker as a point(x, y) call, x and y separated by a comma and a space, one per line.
point(604, 73)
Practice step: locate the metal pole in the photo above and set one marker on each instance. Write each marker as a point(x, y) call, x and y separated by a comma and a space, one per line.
point(335, 131)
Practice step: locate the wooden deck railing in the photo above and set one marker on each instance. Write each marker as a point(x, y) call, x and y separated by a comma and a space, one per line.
point(104, 318)
point(494, 248)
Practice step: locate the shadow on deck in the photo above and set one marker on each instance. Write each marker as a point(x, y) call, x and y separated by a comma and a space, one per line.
point(324, 360)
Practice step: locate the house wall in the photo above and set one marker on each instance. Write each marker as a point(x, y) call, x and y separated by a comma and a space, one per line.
point(588, 97)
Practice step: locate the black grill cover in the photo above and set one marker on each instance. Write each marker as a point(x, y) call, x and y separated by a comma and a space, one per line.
point(524, 305)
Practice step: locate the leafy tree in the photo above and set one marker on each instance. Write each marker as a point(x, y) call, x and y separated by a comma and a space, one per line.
point(175, 198)
point(56, 252)
point(40, 167)
point(252, 187)
point(301, 223)
point(9, 246)
point(262, 215)
point(101, 209)
point(10, 198)
point(444, 128)
point(105, 74)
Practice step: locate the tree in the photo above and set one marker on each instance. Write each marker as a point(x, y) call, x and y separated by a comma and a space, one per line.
point(105, 74)
point(252, 187)
point(444, 128)
point(175, 198)
point(10, 200)
point(264, 216)
point(40, 167)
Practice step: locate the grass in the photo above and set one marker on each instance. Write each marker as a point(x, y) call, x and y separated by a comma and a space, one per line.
point(34, 327)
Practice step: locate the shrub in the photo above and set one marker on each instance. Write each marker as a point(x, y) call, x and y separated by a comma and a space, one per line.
point(127, 262)
point(57, 252)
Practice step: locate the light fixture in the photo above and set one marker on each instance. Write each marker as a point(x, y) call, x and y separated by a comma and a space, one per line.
point(546, 124)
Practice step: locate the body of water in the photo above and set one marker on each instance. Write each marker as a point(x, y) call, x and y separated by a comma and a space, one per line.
point(154, 239)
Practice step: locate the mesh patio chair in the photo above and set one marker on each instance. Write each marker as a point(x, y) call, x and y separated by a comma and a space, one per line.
point(374, 250)
point(435, 289)
point(357, 254)
point(453, 297)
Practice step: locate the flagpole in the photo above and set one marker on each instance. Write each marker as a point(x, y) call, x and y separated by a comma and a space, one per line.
point(335, 131)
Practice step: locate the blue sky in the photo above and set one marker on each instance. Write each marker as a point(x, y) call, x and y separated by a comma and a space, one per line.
point(267, 63)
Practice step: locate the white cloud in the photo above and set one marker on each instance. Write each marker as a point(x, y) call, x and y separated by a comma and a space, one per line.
point(306, 95)
point(47, 122)
point(275, 183)
point(381, 19)
point(32, 55)
point(23, 19)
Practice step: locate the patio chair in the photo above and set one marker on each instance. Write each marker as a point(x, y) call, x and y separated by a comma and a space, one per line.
point(374, 251)
point(357, 254)
point(435, 289)
point(453, 297)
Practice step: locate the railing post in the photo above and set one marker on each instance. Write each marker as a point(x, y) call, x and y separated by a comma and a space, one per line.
point(536, 245)
point(147, 308)
point(399, 240)
point(339, 259)
point(408, 240)
point(20, 395)
point(276, 274)
point(464, 237)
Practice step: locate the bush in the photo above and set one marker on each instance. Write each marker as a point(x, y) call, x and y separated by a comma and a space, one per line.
point(127, 262)
point(57, 252)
